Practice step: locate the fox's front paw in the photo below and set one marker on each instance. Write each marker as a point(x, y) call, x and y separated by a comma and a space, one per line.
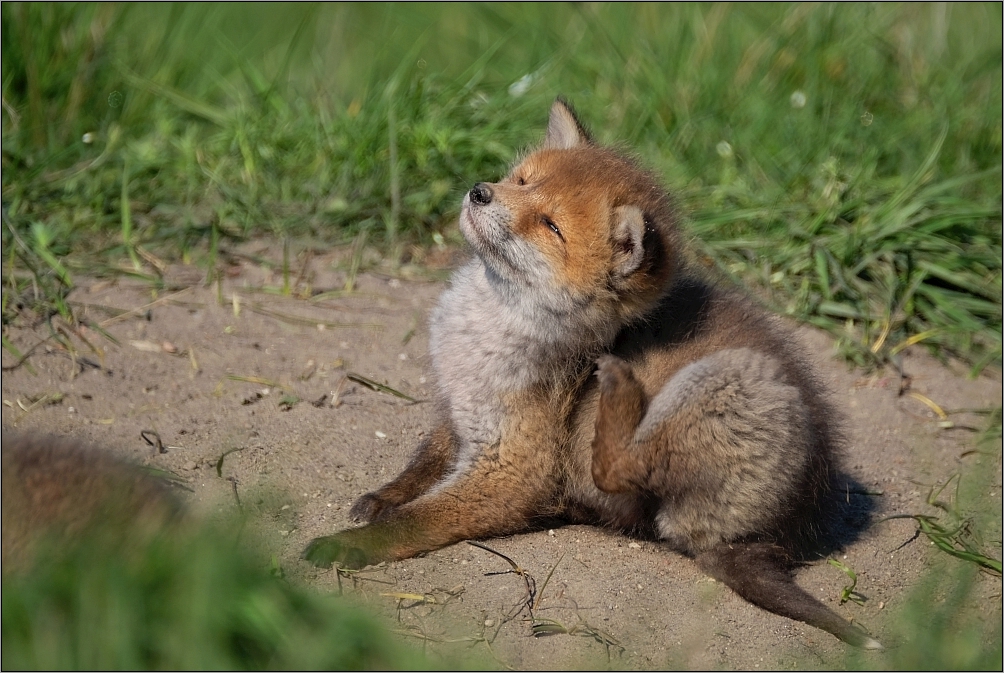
point(324, 551)
point(370, 507)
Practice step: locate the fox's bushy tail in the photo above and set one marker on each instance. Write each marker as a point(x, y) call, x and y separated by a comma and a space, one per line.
point(761, 573)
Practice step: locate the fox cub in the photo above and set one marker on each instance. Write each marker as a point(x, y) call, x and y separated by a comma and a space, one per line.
point(586, 375)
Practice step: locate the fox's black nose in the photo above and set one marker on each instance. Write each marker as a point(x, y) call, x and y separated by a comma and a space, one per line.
point(481, 194)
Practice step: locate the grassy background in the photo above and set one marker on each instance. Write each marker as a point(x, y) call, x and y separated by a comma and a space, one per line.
point(843, 160)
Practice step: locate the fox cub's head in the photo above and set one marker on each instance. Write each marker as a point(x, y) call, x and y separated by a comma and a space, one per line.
point(575, 223)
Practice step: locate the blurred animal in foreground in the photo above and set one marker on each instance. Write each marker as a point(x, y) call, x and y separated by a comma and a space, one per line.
point(57, 491)
point(103, 569)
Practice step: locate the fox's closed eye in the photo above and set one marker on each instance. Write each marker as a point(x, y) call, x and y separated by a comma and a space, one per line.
point(549, 223)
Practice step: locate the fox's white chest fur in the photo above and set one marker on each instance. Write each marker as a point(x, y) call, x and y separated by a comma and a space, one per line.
point(490, 340)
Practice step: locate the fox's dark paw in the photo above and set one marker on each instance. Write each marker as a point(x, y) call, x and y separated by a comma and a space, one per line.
point(370, 507)
point(324, 551)
point(612, 373)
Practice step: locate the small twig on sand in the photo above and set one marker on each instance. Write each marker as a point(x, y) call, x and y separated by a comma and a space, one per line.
point(140, 309)
point(152, 437)
point(528, 580)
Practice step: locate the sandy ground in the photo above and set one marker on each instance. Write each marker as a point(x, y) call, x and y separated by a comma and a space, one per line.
point(261, 382)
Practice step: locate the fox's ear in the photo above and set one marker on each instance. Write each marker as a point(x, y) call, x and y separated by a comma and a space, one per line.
point(564, 130)
point(628, 235)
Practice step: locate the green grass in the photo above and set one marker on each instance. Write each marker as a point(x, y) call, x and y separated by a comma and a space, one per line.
point(845, 161)
point(937, 629)
point(939, 624)
point(180, 600)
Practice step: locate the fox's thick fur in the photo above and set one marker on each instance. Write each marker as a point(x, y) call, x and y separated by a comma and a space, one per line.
point(585, 374)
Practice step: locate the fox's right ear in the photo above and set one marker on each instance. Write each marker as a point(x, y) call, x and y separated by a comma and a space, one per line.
point(564, 130)
point(628, 237)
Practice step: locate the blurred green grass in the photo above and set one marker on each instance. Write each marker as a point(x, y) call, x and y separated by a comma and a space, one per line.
point(950, 619)
point(180, 599)
point(844, 160)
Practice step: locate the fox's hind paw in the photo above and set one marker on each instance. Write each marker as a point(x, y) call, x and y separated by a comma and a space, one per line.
point(612, 373)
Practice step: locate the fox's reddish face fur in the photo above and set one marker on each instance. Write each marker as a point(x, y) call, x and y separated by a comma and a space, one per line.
point(585, 374)
point(577, 218)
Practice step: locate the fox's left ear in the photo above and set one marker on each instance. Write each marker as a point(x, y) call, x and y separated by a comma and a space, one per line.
point(628, 235)
point(564, 130)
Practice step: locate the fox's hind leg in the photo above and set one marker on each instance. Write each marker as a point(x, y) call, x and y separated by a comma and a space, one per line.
point(724, 443)
point(619, 464)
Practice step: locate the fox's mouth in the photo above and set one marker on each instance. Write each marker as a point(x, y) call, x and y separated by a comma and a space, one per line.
point(485, 244)
point(469, 226)
point(465, 215)
point(474, 231)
